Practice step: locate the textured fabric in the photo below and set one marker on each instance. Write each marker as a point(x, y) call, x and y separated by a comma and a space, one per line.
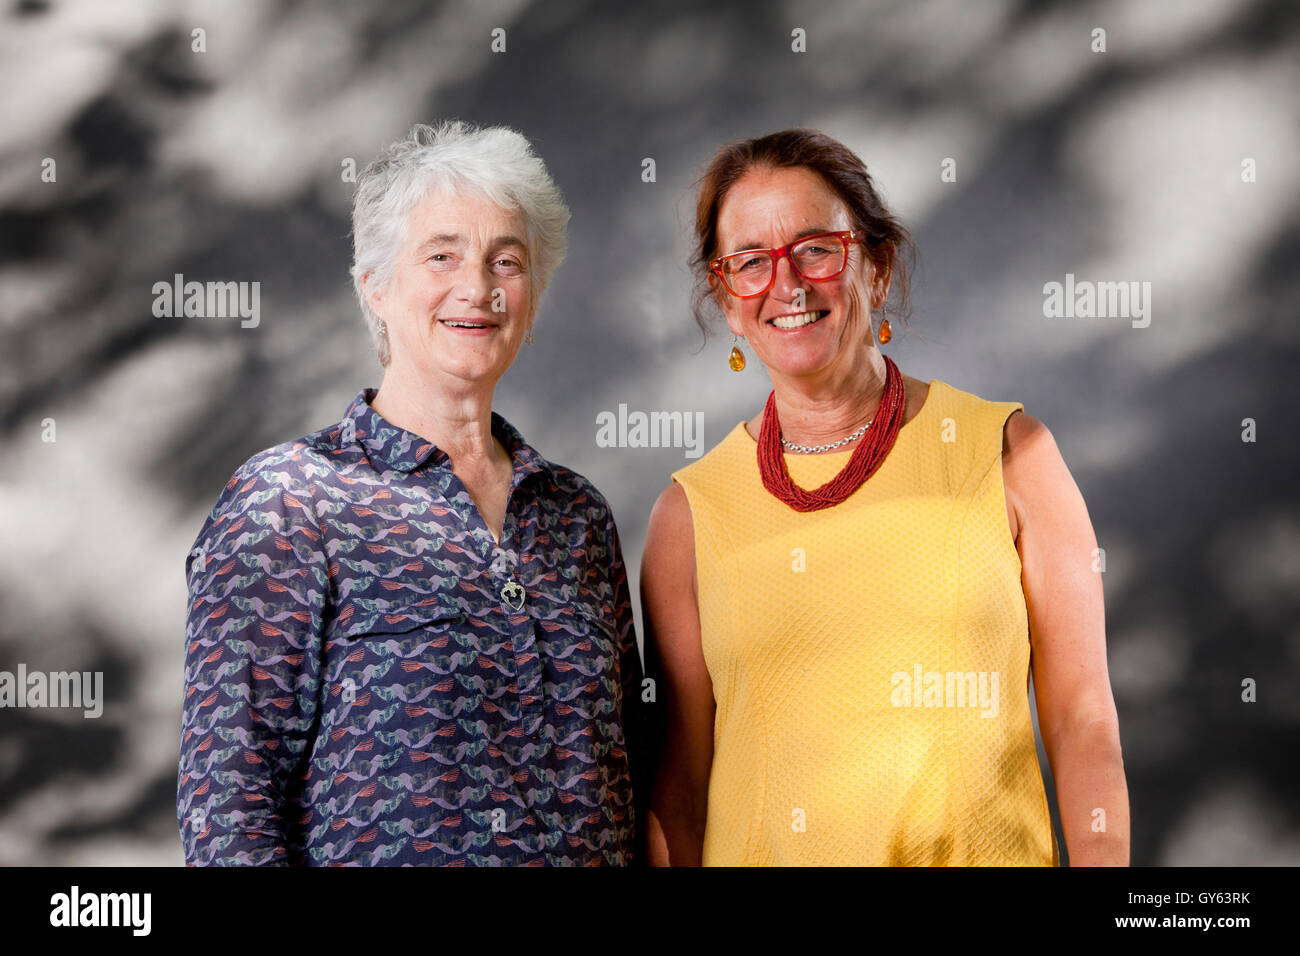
point(362, 688)
point(817, 626)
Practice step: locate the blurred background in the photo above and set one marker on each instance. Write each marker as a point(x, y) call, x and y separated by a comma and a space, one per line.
point(1169, 158)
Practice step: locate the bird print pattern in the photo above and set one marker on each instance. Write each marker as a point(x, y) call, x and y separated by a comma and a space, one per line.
point(371, 679)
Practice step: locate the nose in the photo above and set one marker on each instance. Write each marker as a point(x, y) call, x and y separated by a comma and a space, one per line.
point(475, 283)
point(787, 280)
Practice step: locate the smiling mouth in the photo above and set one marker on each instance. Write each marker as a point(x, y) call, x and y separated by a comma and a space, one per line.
point(799, 321)
point(466, 324)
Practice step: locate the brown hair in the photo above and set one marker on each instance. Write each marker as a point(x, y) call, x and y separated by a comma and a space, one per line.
point(889, 246)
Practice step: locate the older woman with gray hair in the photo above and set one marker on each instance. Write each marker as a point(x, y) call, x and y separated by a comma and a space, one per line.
point(410, 639)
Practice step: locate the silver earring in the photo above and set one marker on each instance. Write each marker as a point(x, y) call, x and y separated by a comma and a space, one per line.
point(529, 337)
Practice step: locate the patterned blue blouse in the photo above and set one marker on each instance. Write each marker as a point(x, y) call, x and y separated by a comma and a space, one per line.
point(371, 679)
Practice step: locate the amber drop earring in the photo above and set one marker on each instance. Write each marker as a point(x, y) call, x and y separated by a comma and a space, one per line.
point(737, 358)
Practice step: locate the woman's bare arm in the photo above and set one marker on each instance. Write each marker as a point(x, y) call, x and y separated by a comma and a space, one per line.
point(1067, 627)
point(684, 691)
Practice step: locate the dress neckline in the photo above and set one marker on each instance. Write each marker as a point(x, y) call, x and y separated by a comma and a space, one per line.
point(925, 408)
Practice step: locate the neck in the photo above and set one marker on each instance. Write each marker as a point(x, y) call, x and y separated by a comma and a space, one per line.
point(826, 411)
point(453, 416)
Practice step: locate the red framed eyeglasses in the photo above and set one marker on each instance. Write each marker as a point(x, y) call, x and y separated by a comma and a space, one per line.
point(815, 258)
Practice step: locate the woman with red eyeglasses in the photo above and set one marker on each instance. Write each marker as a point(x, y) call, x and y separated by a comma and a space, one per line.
point(845, 598)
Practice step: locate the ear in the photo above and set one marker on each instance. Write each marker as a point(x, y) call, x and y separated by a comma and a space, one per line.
point(733, 323)
point(727, 304)
point(373, 292)
point(880, 279)
point(879, 292)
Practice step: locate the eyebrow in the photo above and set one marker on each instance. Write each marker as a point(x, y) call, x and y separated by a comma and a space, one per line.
point(455, 239)
point(747, 246)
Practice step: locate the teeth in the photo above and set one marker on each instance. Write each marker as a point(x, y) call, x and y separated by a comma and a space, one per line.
point(464, 325)
point(797, 321)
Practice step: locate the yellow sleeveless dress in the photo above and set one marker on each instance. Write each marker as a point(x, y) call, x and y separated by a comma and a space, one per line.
point(870, 661)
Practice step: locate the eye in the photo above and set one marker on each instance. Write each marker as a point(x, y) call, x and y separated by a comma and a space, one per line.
point(441, 260)
point(508, 267)
point(747, 263)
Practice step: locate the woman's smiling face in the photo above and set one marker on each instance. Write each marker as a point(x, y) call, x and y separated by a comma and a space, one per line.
point(766, 209)
point(459, 300)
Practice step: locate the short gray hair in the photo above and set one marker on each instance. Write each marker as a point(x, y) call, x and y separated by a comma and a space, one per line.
point(497, 162)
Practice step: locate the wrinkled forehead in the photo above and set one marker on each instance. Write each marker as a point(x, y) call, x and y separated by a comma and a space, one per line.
point(466, 215)
point(767, 208)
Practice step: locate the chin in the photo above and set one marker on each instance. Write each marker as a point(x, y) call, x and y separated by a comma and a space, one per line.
point(800, 361)
point(469, 368)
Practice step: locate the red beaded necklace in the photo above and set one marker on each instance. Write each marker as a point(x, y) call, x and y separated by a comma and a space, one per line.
point(862, 464)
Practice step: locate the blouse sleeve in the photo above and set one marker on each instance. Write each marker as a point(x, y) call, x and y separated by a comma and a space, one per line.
point(258, 580)
point(630, 672)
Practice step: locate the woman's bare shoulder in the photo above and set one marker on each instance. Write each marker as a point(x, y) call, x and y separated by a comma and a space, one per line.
point(670, 517)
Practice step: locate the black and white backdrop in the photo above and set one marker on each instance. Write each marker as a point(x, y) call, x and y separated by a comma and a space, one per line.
point(1144, 142)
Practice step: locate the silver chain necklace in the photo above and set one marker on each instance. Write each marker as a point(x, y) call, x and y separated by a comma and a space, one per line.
point(818, 449)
